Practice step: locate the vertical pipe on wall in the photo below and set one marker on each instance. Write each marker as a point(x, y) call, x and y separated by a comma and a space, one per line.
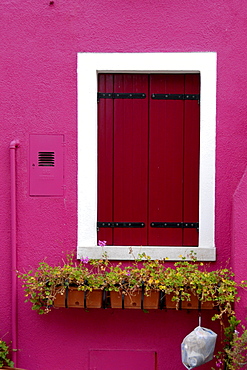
point(13, 145)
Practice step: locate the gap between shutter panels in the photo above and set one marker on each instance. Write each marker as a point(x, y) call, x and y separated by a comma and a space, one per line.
point(107, 223)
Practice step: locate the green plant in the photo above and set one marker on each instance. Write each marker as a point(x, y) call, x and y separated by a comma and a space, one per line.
point(233, 355)
point(182, 280)
point(43, 284)
point(142, 272)
point(217, 286)
point(4, 355)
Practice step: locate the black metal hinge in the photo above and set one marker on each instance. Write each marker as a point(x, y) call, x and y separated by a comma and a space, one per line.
point(121, 96)
point(175, 96)
point(183, 225)
point(120, 224)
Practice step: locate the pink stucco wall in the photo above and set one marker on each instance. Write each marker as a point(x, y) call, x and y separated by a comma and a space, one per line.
point(39, 45)
point(239, 238)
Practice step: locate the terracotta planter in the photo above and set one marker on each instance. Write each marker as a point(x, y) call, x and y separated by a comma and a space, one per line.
point(94, 299)
point(75, 298)
point(135, 301)
point(168, 302)
point(195, 304)
point(207, 305)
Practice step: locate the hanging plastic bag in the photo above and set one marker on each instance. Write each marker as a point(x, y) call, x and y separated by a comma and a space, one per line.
point(198, 347)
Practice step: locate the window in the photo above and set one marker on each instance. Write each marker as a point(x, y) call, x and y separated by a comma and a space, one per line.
point(148, 159)
point(150, 67)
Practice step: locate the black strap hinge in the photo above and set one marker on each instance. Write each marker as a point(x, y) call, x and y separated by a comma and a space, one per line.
point(120, 224)
point(121, 96)
point(175, 96)
point(183, 225)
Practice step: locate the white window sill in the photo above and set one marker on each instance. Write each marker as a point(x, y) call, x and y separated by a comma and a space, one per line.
point(132, 252)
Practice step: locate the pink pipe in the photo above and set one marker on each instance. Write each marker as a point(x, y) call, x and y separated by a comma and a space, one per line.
point(13, 145)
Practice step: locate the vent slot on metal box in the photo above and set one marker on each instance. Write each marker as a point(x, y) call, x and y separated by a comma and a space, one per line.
point(46, 159)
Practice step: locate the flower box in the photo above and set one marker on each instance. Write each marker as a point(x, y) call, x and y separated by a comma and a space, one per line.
point(193, 304)
point(123, 287)
point(134, 301)
point(74, 298)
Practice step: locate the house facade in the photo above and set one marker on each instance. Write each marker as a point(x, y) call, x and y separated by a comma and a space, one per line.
point(59, 183)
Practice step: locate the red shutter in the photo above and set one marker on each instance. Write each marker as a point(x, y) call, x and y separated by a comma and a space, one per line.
point(105, 158)
point(130, 159)
point(166, 159)
point(148, 163)
point(191, 159)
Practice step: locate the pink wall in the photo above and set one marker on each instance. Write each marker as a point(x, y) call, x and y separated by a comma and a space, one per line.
point(39, 44)
point(239, 238)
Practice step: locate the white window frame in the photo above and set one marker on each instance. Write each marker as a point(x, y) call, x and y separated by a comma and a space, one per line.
point(89, 65)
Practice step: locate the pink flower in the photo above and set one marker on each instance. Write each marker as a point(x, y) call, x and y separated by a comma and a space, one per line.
point(85, 260)
point(102, 243)
point(219, 363)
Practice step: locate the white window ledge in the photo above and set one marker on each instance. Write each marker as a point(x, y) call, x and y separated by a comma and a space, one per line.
point(89, 65)
point(130, 253)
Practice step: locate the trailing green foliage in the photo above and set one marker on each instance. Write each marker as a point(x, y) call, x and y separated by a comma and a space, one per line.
point(233, 355)
point(184, 279)
point(4, 355)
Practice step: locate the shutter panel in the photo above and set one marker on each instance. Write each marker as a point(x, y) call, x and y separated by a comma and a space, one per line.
point(130, 159)
point(191, 159)
point(166, 159)
point(105, 158)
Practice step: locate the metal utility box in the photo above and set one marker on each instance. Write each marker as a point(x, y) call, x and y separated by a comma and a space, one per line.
point(46, 165)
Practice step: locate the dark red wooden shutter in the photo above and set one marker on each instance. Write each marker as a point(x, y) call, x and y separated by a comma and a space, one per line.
point(191, 160)
point(105, 158)
point(130, 159)
point(148, 162)
point(166, 159)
